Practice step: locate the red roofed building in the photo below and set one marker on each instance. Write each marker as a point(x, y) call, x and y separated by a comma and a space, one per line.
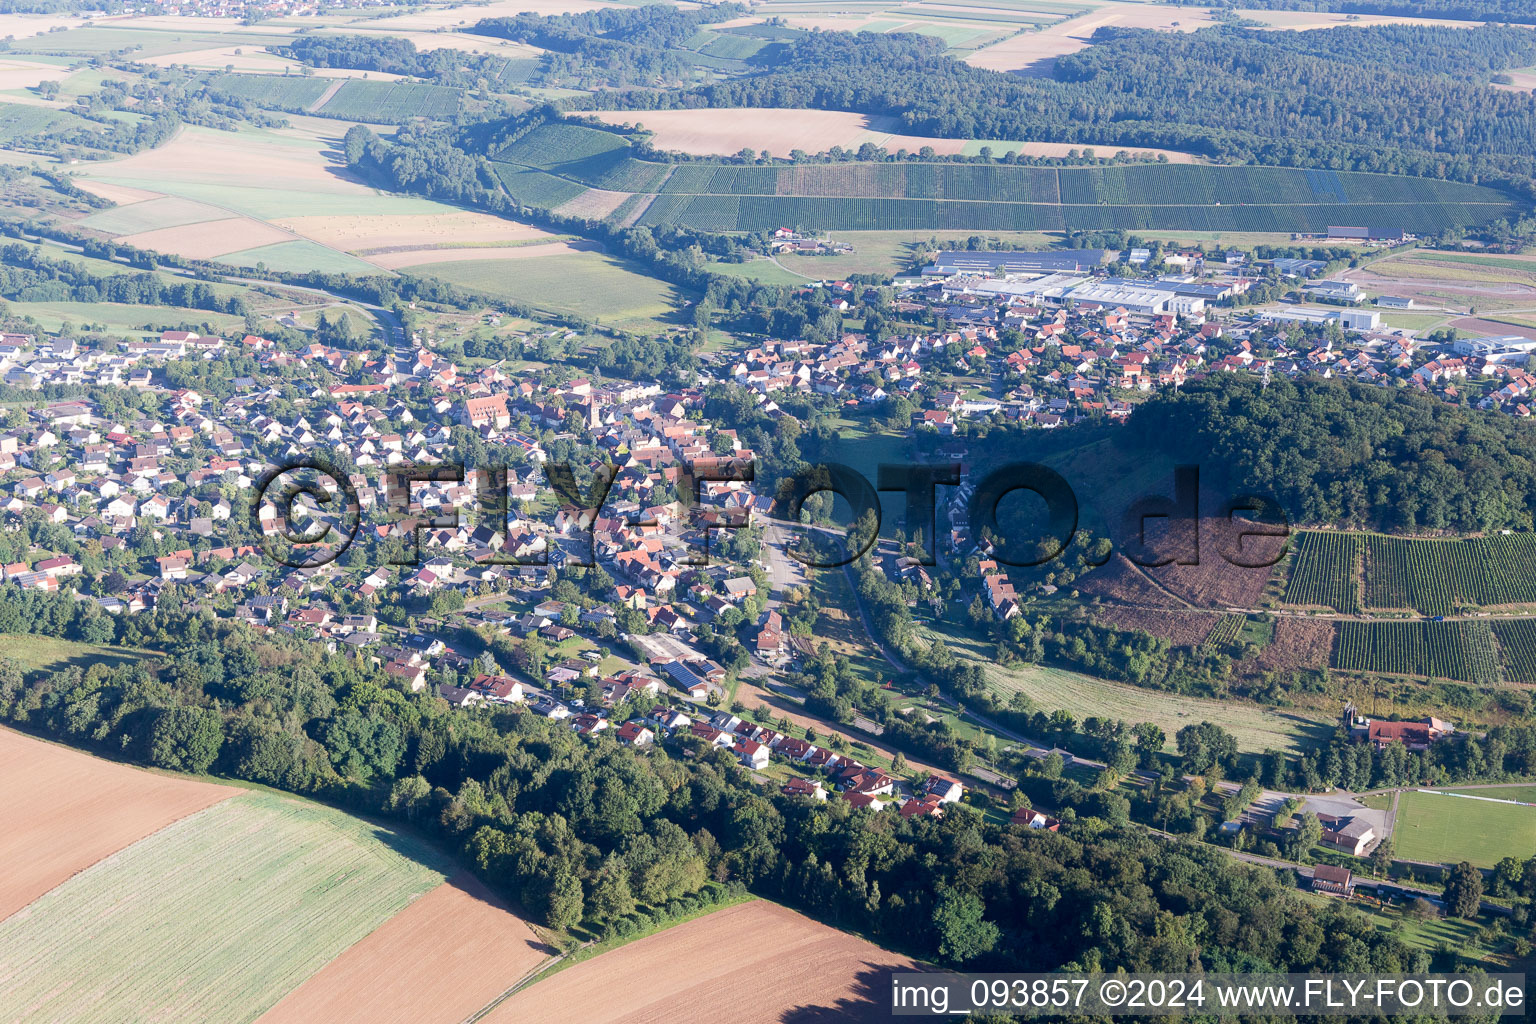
point(489, 411)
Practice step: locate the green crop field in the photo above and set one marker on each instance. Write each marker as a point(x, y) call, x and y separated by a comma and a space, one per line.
point(212, 918)
point(518, 70)
point(21, 120)
point(1517, 648)
point(1052, 689)
point(1448, 829)
point(536, 188)
point(586, 284)
point(389, 102)
point(1435, 577)
point(151, 215)
point(1461, 649)
point(286, 92)
point(914, 195)
point(297, 257)
point(122, 316)
point(1324, 571)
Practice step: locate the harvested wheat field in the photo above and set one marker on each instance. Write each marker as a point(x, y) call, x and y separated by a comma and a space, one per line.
point(716, 132)
point(122, 195)
point(451, 15)
point(24, 26)
point(193, 23)
point(250, 160)
point(65, 810)
point(1033, 51)
point(209, 238)
point(444, 957)
point(1520, 81)
point(780, 966)
point(453, 41)
point(726, 132)
point(233, 55)
point(362, 232)
point(424, 257)
point(24, 74)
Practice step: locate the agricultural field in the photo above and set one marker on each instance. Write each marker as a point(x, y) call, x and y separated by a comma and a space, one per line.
point(708, 132)
point(1325, 571)
point(1297, 643)
point(285, 92)
point(545, 168)
point(444, 957)
point(1436, 577)
point(1052, 689)
point(21, 120)
point(1460, 649)
point(1215, 582)
point(591, 285)
point(139, 41)
point(297, 256)
point(1517, 648)
point(818, 974)
point(285, 204)
point(1035, 52)
point(1447, 829)
point(87, 810)
point(1179, 627)
point(390, 103)
point(213, 917)
point(1226, 631)
point(120, 317)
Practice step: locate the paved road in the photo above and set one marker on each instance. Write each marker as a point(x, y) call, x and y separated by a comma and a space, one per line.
point(1305, 871)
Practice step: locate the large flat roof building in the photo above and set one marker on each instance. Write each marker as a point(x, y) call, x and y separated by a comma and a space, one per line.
point(1120, 296)
point(957, 261)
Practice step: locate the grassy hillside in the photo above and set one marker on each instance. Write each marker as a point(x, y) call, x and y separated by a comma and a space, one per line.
point(545, 167)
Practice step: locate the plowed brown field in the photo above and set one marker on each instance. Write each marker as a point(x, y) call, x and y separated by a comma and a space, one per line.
point(441, 959)
point(754, 963)
point(65, 810)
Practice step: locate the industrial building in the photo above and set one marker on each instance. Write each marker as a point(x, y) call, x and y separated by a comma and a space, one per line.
point(1123, 296)
point(955, 261)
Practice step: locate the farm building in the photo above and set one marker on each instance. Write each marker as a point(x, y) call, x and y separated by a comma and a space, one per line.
point(1416, 736)
point(1327, 878)
point(1034, 819)
point(1352, 835)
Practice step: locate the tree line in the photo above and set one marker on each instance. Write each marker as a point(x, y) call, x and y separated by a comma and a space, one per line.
point(1389, 98)
point(1515, 11)
point(584, 831)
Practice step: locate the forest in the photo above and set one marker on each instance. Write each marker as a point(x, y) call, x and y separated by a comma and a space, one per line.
point(613, 48)
point(584, 830)
point(28, 276)
point(1510, 11)
point(1374, 98)
point(1344, 454)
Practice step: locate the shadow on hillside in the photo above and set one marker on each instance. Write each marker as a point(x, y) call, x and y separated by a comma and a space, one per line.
point(867, 1002)
point(473, 887)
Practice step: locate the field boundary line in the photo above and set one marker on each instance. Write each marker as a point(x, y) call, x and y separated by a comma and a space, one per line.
point(522, 982)
point(1484, 799)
